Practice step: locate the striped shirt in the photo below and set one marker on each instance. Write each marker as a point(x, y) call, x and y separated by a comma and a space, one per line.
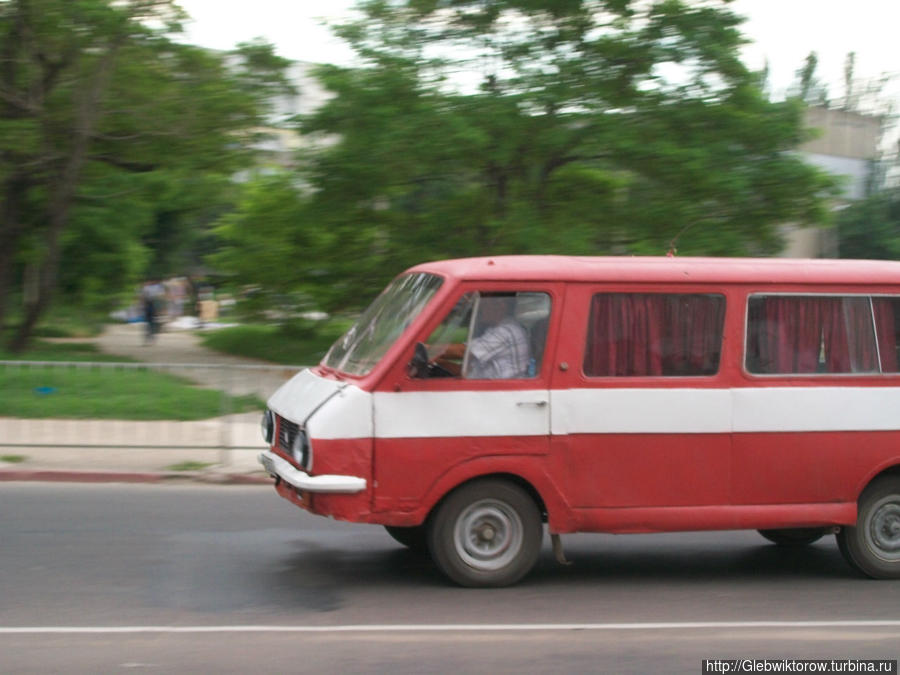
point(501, 352)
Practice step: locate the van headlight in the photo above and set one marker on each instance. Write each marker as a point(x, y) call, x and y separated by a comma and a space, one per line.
point(301, 450)
point(268, 426)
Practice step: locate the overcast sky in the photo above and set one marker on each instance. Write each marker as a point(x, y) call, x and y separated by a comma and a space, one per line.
point(782, 31)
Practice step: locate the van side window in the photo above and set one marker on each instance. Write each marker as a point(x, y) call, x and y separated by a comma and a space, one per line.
point(887, 327)
point(654, 334)
point(821, 334)
point(491, 336)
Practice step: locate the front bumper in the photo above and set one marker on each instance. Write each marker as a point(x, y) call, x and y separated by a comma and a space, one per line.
point(279, 468)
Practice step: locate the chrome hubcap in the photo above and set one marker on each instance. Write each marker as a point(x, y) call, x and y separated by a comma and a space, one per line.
point(488, 535)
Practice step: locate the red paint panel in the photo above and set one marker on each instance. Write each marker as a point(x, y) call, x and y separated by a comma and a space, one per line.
point(406, 469)
point(347, 457)
point(343, 457)
point(622, 470)
point(681, 519)
point(807, 467)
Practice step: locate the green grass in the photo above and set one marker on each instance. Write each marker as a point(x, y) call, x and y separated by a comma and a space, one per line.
point(13, 459)
point(40, 350)
point(189, 466)
point(301, 346)
point(75, 392)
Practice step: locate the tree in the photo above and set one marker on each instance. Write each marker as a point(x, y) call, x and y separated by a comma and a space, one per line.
point(99, 108)
point(870, 228)
point(593, 126)
point(808, 88)
point(262, 248)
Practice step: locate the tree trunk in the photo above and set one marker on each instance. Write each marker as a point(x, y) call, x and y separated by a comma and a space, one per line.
point(63, 193)
point(46, 287)
point(11, 229)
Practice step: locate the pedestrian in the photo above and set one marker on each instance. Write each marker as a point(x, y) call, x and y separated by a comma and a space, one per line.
point(151, 295)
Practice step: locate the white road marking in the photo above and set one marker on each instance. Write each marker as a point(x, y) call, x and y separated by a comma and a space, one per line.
point(446, 628)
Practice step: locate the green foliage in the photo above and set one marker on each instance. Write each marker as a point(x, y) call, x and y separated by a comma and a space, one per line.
point(594, 127)
point(290, 344)
point(262, 247)
point(117, 144)
point(871, 228)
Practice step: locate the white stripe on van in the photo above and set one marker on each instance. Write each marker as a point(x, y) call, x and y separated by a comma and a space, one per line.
point(600, 411)
point(641, 411)
point(816, 409)
point(462, 413)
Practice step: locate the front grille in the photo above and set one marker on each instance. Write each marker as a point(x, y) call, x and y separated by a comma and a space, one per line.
point(287, 432)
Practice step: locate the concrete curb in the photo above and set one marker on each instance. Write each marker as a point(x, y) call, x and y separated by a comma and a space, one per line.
point(63, 476)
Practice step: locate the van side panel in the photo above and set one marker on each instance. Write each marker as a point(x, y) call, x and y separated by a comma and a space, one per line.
point(808, 467)
point(643, 470)
point(650, 441)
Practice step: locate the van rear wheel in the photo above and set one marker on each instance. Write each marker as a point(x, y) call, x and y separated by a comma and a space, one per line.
point(796, 536)
point(486, 533)
point(873, 545)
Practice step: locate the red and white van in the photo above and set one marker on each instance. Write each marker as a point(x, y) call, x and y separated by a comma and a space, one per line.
point(477, 399)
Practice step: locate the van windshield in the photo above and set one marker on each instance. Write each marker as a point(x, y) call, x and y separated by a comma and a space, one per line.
point(361, 347)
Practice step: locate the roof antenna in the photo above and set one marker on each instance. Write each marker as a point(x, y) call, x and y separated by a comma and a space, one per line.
point(672, 249)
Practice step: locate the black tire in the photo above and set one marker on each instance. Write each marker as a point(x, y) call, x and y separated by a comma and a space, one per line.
point(795, 536)
point(873, 545)
point(414, 538)
point(486, 533)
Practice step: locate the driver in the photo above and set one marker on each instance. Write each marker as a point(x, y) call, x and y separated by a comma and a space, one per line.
point(501, 349)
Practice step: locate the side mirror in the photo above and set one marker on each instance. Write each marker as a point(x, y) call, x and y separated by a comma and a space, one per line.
point(418, 366)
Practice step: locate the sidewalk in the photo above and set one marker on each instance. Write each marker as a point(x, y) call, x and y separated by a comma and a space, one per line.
point(235, 462)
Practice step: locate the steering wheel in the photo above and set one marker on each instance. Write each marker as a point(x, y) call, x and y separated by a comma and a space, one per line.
point(421, 366)
point(437, 370)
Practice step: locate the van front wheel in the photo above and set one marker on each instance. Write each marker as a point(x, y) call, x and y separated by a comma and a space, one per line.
point(486, 533)
point(873, 545)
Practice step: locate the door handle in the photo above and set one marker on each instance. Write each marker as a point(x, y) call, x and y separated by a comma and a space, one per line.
point(536, 404)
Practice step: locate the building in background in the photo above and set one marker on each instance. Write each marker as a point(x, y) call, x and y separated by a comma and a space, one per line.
point(848, 146)
point(278, 144)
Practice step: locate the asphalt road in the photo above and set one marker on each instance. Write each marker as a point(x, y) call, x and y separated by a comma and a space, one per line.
point(200, 578)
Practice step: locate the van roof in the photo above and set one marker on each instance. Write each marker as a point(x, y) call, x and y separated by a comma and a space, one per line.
point(666, 269)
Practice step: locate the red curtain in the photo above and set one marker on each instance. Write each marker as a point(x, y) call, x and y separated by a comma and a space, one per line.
point(790, 334)
point(858, 331)
point(643, 334)
point(887, 333)
point(624, 335)
point(812, 334)
point(694, 327)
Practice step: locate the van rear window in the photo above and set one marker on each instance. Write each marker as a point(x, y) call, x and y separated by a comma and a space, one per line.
point(654, 334)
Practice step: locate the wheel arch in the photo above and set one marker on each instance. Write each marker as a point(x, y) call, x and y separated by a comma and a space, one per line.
point(889, 469)
point(554, 509)
point(512, 478)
